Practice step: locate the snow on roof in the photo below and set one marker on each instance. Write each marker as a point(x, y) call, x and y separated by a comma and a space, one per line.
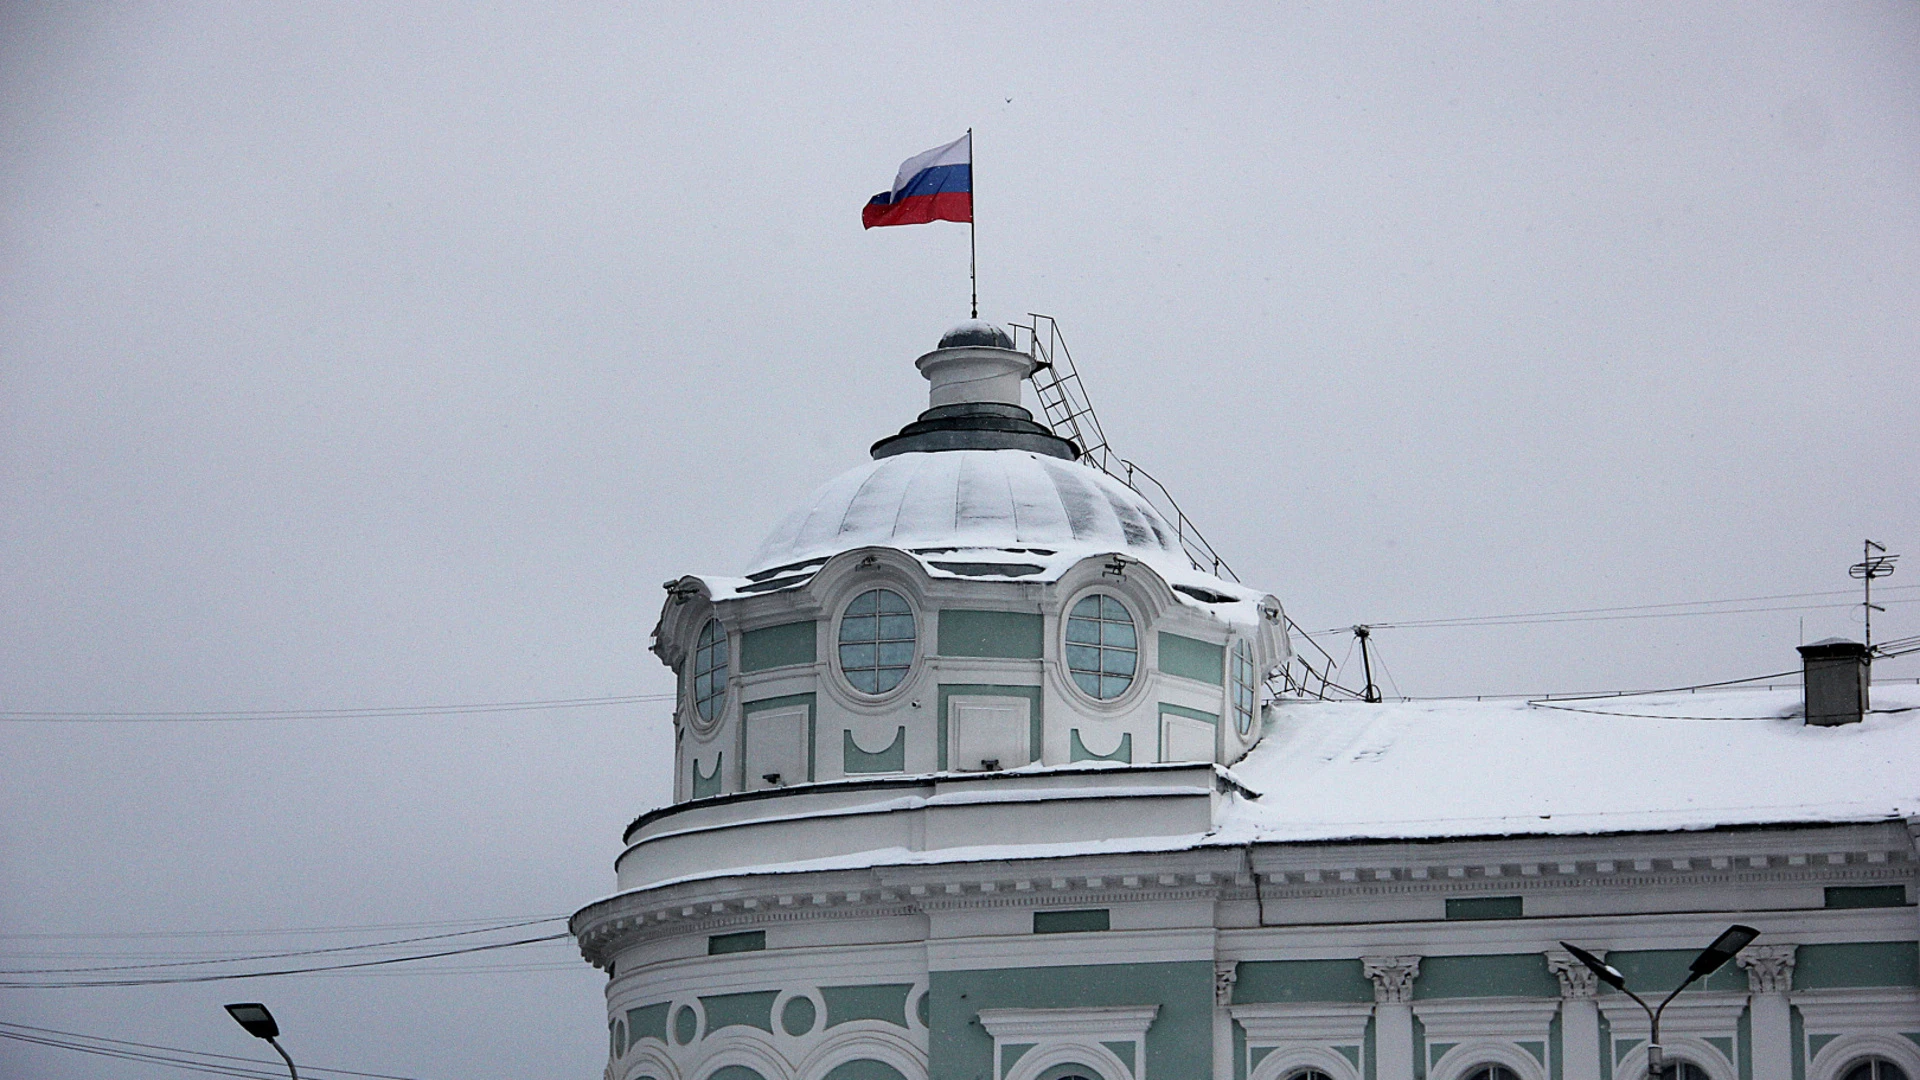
point(1423, 769)
point(970, 499)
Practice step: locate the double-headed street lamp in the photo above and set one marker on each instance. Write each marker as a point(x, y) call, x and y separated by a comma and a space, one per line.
point(259, 1023)
point(1710, 960)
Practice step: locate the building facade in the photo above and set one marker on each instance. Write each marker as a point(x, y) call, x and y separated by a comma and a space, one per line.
point(974, 780)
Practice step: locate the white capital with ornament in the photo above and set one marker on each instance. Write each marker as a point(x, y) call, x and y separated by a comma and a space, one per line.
point(1393, 1012)
point(1769, 977)
point(1579, 1016)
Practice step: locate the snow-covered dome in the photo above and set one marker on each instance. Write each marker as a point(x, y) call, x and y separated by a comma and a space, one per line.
point(971, 499)
point(975, 332)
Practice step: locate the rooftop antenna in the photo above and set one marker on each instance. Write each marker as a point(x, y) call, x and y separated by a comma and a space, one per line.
point(1869, 567)
point(1369, 692)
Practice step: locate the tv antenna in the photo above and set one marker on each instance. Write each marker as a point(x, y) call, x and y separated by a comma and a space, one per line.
point(1866, 571)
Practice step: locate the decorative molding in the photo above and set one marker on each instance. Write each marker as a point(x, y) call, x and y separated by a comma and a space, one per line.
point(1769, 967)
point(1392, 977)
point(1224, 976)
point(1059, 1036)
point(1828, 1012)
point(1577, 981)
point(1312, 1022)
point(1461, 1019)
point(1834, 1058)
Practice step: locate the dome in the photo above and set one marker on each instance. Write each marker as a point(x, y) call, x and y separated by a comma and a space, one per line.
point(971, 499)
point(975, 332)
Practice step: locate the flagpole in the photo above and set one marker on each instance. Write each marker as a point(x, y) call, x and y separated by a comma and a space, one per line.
point(973, 248)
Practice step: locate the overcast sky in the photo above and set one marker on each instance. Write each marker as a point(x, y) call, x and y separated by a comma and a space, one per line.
point(392, 355)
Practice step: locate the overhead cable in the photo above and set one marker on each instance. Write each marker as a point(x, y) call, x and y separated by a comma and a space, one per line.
point(14, 984)
point(1629, 611)
point(279, 955)
point(133, 1051)
point(375, 713)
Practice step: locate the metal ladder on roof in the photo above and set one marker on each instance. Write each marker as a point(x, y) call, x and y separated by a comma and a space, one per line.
point(1069, 413)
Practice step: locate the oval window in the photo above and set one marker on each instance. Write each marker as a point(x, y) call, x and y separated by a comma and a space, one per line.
point(710, 670)
point(1245, 686)
point(876, 641)
point(1102, 648)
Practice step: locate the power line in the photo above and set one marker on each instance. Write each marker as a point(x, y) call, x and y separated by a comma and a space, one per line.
point(132, 1051)
point(278, 955)
point(226, 976)
point(374, 713)
point(1629, 611)
point(344, 928)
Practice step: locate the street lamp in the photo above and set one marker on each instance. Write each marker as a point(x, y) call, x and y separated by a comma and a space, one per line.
point(259, 1023)
point(1710, 960)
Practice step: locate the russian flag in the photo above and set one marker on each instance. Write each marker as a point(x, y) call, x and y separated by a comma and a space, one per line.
point(934, 186)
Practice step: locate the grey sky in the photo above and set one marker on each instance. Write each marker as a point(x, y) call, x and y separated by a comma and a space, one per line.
point(390, 355)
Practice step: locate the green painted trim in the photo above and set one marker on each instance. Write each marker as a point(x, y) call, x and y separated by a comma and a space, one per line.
point(707, 786)
point(648, 1022)
point(1258, 1054)
point(1721, 1043)
point(1556, 1048)
point(1484, 907)
point(686, 1024)
point(1797, 1031)
point(1351, 1053)
point(1436, 1051)
point(1085, 921)
point(744, 941)
point(798, 1016)
point(1077, 750)
point(786, 645)
point(1866, 896)
point(748, 708)
point(1008, 635)
point(1537, 1049)
point(923, 1008)
point(885, 1001)
point(1013, 1052)
point(1623, 1047)
point(1280, 981)
point(1743, 1032)
point(753, 1009)
point(1123, 1051)
point(1240, 1055)
point(1189, 658)
point(1864, 963)
point(1370, 1047)
point(1914, 1036)
point(1606, 1043)
point(1031, 693)
point(734, 1072)
point(890, 760)
point(1419, 1049)
point(1179, 1044)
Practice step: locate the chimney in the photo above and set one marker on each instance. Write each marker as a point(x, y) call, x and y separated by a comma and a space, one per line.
point(1835, 679)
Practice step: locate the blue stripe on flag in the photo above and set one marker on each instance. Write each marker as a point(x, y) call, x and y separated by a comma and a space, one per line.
point(938, 180)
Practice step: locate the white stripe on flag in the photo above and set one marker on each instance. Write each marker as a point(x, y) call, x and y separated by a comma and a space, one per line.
point(957, 152)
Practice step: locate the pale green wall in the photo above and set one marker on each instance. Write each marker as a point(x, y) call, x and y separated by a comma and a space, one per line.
point(1193, 659)
point(1008, 634)
point(1179, 1044)
point(777, 646)
point(892, 759)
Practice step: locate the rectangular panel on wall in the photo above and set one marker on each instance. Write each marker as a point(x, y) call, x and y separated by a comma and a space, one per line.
point(1006, 634)
point(777, 646)
point(1188, 658)
point(987, 732)
point(1185, 739)
point(776, 750)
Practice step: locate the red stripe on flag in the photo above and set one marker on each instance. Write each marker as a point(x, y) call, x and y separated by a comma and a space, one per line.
point(920, 209)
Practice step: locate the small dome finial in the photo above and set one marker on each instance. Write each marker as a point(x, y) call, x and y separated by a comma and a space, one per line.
point(975, 332)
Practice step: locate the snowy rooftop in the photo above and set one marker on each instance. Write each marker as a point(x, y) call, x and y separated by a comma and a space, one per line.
point(1330, 771)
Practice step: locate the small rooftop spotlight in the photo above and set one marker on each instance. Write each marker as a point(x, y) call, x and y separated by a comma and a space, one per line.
point(1710, 960)
point(259, 1023)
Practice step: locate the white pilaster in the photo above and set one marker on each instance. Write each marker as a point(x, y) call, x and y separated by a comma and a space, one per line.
point(1579, 1017)
point(1393, 1013)
point(1769, 978)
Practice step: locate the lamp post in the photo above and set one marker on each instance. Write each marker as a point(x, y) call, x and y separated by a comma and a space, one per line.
point(259, 1023)
point(1711, 959)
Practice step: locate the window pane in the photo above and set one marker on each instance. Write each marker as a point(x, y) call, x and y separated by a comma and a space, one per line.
point(893, 603)
point(1112, 686)
point(1117, 634)
point(1088, 608)
point(896, 653)
point(862, 629)
point(1114, 609)
point(896, 628)
point(1116, 662)
point(1089, 683)
point(888, 678)
point(1083, 630)
point(866, 679)
point(865, 603)
point(1083, 658)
